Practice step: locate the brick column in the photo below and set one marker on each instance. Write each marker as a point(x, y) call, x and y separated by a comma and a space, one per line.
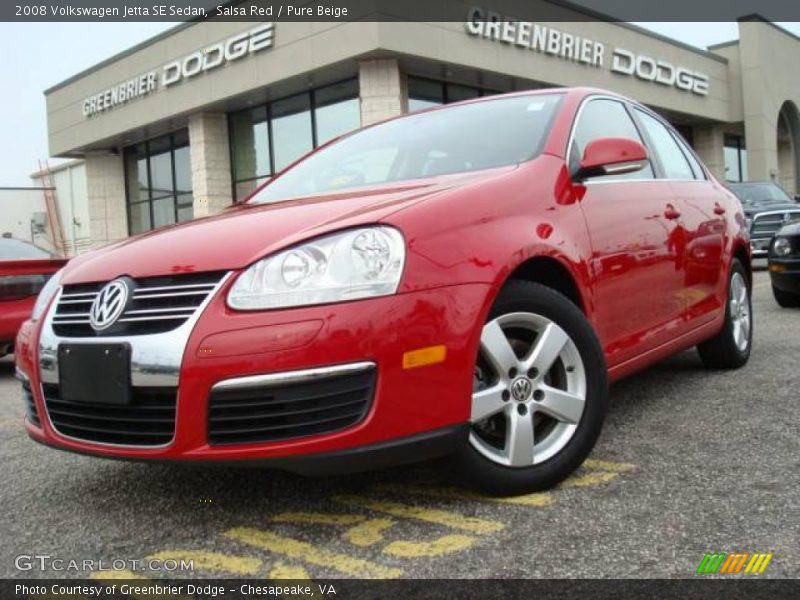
point(211, 163)
point(709, 143)
point(105, 192)
point(383, 90)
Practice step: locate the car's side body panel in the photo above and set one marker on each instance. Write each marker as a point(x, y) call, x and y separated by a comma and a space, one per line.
point(650, 285)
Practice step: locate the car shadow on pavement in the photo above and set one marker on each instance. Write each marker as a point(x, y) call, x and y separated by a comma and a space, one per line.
point(238, 493)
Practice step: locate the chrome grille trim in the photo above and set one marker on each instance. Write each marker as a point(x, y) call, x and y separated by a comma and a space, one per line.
point(72, 308)
point(766, 224)
point(155, 358)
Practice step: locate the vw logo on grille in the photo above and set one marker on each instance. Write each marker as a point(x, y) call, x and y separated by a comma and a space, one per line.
point(521, 388)
point(109, 305)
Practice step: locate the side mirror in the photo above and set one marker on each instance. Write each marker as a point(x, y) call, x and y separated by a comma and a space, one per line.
point(797, 198)
point(611, 156)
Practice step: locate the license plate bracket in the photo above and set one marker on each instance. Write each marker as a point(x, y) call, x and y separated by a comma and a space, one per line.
point(95, 373)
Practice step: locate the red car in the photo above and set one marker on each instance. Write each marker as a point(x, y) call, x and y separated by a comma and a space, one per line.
point(24, 269)
point(463, 281)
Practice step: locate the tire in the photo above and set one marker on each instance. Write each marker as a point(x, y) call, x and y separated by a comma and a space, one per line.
point(728, 350)
point(785, 299)
point(562, 409)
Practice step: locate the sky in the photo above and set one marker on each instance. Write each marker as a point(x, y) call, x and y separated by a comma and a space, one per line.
point(39, 55)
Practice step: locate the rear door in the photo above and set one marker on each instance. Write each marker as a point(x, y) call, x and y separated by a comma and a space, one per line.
point(703, 218)
point(637, 238)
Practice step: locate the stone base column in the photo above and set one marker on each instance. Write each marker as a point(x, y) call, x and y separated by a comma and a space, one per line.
point(211, 163)
point(105, 192)
point(383, 90)
point(709, 143)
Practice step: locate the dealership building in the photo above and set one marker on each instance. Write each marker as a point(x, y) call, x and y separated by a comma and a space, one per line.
point(190, 121)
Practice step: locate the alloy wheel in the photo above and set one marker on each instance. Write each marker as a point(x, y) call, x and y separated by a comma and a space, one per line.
point(739, 306)
point(529, 390)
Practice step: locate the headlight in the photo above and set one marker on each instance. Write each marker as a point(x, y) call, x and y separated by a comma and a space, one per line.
point(46, 295)
point(781, 246)
point(359, 263)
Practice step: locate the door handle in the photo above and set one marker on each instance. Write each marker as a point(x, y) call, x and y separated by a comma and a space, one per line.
point(671, 212)
point(719, 209)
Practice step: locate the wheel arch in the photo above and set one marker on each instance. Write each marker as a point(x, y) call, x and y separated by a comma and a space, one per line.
point(553, 273)
point(740, 251)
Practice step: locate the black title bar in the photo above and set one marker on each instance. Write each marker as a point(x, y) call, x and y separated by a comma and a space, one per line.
point(394, 10)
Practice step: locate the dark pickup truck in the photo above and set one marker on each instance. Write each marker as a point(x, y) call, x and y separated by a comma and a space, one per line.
point(767, 208)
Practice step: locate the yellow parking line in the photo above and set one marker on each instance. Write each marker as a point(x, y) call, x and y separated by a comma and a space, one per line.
point(607, 465)
point(287, 572)
point(115, 575)
point(213, 561)
point(299, 550)
point(364, 531)
point(455, 493)
point(430, 515)
point(317, 518)
point(369, 532)
point(444, 545)
point(588, 480)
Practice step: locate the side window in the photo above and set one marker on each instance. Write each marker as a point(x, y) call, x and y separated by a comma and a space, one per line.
point(666, 148)
point(699, 173)
point(603, 118)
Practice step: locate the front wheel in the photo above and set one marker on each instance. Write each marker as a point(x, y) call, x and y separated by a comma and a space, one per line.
point(785, 299)
point(730, 348)
point(540, 393)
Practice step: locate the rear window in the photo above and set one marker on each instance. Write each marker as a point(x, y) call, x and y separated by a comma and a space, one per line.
point(11, 249)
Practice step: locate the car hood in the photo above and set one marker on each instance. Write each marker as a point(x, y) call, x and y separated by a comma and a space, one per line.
point(790, 230)
point(247, 232)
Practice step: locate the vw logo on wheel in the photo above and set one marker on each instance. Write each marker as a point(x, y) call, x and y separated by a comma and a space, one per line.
point(521, 388)
point(109, 305)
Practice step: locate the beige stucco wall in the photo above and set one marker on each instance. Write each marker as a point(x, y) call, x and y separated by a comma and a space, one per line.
point(17, 207)
point(748, 82)
point(769, 60)
point(300, 49)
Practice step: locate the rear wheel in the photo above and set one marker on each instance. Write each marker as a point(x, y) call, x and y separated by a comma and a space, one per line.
point(785, 299)
point(730, 348)
point(539, 393)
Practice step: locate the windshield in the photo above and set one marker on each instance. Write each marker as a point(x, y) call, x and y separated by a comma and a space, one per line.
point(469, 137)
point(763, 194)
point(11, 249)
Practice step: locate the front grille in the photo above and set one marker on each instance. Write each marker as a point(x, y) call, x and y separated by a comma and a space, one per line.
point(158, 304)
point(767, 225)
point(149, 420)
point(289, 410)
point(30, 406)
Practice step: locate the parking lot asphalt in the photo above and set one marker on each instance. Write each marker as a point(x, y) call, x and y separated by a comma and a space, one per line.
point(690, 461)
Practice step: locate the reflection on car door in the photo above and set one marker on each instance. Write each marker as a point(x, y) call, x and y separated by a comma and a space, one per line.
point(703, 219)
point(638, 243)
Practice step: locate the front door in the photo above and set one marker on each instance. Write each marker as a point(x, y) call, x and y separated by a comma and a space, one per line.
point(638, 243)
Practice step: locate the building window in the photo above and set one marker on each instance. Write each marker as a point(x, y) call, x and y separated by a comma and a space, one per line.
point(425, 93)
point(159, 182)
point(267, 138)
point(735, 158)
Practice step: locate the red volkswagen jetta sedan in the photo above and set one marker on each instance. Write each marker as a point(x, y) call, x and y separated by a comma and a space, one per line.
point(464, 281)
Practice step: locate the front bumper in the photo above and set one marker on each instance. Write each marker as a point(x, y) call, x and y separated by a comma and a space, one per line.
point(785, 274)
point(407, 409)
point(759, 248)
